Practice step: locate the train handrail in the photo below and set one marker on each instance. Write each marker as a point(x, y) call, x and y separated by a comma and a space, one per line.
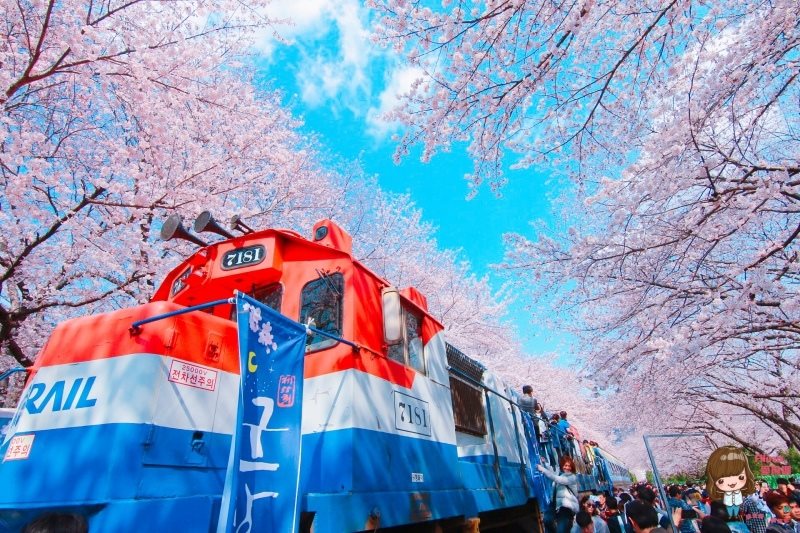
point(556, 433)
point(11, 371)
point(496, 465)
point(136, 327)
point(487, 390)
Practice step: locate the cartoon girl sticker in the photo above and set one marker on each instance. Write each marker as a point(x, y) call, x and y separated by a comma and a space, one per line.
point(728, 477)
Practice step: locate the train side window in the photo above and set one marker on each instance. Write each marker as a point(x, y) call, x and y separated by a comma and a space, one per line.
point(468, 410)
point(414, 342)
point(409, 350)
point(321, 300)
point(466, 394)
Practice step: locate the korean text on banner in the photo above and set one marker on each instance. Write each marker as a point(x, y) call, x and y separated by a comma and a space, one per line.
point(262, 487)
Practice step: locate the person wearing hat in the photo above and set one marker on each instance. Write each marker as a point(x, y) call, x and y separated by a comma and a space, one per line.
point(694, 499)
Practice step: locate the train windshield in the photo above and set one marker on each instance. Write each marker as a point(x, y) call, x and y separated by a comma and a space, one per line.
point(271, 296)
point(321, 301)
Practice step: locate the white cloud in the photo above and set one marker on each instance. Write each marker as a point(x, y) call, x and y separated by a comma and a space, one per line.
point(339, 66)
point(333, 39)
point(304, 14)
point(320, 80)
point(296, 18)
point(399, 81)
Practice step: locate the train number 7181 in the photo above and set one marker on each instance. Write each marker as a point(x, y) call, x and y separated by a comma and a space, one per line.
point(411, 414)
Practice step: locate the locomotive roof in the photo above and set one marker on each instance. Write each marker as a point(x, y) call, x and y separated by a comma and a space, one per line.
point(335, 244)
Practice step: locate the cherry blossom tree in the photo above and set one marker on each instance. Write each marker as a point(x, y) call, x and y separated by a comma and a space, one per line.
point(677, 122)
point(112, 115)
point(109, 127)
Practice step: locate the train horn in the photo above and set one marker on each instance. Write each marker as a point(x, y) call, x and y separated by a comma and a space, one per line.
point(206, 222)
point(238, 225)
point(173, 229)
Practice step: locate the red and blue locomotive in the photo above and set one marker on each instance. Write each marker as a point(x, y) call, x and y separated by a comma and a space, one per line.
point(131, 427)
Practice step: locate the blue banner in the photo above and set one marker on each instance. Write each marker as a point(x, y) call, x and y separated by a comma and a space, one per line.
point(263, 489)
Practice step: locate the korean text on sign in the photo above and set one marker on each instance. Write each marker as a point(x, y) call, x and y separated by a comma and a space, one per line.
point(193, 375)
point(19, 448)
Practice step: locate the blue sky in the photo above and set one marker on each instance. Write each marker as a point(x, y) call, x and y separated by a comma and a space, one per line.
point(341, 83)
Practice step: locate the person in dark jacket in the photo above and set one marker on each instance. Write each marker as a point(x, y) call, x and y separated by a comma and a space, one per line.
point(643, 518)
point(58, 523)
point(587, 523)
point(795, 515)
point(713, 524)
point(675, 501)
point(614, 519)
point(648, 496)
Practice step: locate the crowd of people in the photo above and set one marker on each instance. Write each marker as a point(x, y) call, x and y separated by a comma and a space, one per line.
point(555, 435)
point(733, 502)
point(691, 508)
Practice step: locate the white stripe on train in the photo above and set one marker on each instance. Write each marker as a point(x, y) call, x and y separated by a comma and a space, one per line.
point(136, 389)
